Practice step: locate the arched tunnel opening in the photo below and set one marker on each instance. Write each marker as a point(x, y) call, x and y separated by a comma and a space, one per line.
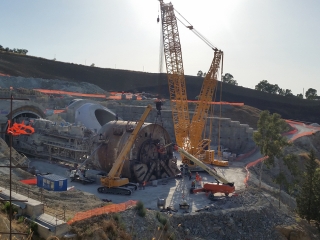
point(103, 116)
point(19, 117)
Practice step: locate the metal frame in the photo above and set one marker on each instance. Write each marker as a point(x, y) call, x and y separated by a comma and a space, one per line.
point(10, 175)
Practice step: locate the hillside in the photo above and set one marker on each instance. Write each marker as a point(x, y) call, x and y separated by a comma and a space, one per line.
point(124, 80)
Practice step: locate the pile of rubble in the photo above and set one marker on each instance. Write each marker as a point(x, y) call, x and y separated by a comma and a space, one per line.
point(250, 215)
point(255, 222)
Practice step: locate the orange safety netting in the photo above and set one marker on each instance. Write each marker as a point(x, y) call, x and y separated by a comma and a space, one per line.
point(5, 75)
point(32, 181)
point(217, 103)
point(301, 135)
point(47, 91)
point(103, 210)
point(19, 129)
point(250, 165)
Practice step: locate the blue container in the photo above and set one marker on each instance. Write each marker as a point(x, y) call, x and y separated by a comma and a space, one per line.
point(52, 182)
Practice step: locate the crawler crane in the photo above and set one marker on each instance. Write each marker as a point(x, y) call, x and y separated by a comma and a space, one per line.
point(188, 134)
point(113, 183)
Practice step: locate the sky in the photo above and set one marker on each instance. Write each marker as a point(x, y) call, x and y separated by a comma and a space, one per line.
point(273, 40)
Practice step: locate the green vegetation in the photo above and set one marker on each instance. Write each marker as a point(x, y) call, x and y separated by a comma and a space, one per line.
point(34, 228)
point(228, 78)
point(271, 143)
point(9, 208)
point(117, 218)
point(141, 209)
point(311, 94)
point(20, 219)
point(162, 219)
point(15, 50)
point(264, 86)
point(308, 199)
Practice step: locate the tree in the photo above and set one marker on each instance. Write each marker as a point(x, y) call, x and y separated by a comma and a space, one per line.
point(288, 93)
point(271, 143)
point(308, 198)
point(228, 78)
point(268, 137)
point(300, 95)
point(264, 86)
point(200, 73)
point(281, 92)
point(92, 65)
point(311, 94)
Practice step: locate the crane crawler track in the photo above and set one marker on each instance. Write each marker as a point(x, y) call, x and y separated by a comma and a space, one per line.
point(115, 190)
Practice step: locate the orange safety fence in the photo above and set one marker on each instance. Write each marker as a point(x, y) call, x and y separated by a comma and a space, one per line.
point(217, 103)
point(32, 181)
point(263, 158)
point(103, 210)
point(47, 91)
point(58, 111)
point(5, 75)
point(294, 122)
point(250, 165)
point(301, 135)
point(290, 132)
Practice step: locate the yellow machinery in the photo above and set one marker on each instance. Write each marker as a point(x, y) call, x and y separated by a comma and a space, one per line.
point(188, 135)
point(113, 183)
point(222, 185)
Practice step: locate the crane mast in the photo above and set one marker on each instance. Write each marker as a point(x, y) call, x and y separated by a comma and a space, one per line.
point(188, 135)
point(205, 97)
point(175, 74)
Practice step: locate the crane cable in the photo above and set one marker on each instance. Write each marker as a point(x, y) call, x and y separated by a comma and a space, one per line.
point(206, 41)
point(198, 34)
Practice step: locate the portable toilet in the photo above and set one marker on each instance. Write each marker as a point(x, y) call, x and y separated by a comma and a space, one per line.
point(52, 182)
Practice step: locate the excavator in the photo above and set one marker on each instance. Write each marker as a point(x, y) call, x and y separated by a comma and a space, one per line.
point(221, 186)
point(188, 134)
point(113, 183)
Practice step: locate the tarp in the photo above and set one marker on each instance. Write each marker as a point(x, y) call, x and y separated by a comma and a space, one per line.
point(32, 181)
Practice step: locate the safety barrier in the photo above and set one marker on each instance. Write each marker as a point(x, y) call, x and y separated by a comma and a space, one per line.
point(47, 91)
point(290, 132)
point(250, 165)
point(103, 210)
point(301, 135)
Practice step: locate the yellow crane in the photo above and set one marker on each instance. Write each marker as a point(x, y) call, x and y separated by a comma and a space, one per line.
point(188, 134)
point(113, 182)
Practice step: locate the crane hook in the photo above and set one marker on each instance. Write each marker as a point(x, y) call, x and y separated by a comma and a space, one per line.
point(158, 19)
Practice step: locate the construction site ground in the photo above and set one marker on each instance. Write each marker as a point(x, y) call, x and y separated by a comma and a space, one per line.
point(248, 214)
point(174, 190)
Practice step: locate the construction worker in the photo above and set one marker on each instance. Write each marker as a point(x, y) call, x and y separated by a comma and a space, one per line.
point(143, 184)
point(193, 184)
point(197, 176)
point(190, 175)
